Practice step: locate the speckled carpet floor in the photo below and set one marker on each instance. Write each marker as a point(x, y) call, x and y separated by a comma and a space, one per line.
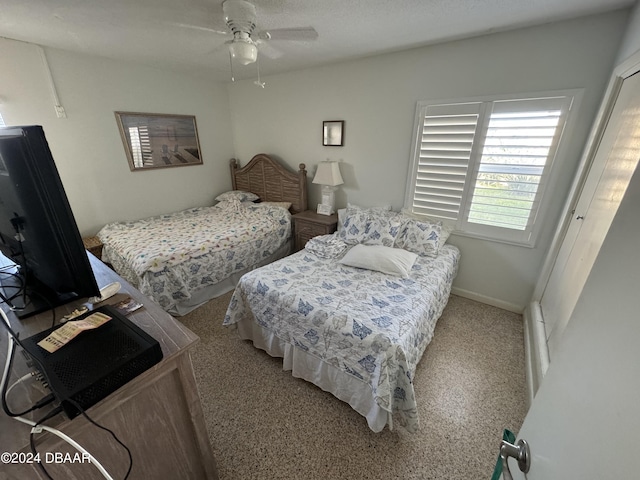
point(265, 424)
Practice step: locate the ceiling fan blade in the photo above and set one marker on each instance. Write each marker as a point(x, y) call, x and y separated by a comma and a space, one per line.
point(268, 50)
point(301, 33)
point(204, 29)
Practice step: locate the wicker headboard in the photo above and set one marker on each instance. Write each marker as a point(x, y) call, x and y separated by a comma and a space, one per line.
point(271, 181)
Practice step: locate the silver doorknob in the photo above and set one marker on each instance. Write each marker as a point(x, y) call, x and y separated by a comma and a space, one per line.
point(520, 451)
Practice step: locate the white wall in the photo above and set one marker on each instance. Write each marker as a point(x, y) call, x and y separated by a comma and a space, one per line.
point(87, 146)
point(631, 42)
point(377, 98)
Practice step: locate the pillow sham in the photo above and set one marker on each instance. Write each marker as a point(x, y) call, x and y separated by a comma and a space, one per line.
point(343, 211)
point(379, 208)
point(419, 237)
point(445, 231)
point(232, 204)
point(286, 205)
point(370, 227)
point(237, 194)
point(341, 214)
point(392, 261)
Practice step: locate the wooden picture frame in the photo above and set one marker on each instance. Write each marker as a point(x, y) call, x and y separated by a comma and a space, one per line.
point(333, 133)
point(154, 140)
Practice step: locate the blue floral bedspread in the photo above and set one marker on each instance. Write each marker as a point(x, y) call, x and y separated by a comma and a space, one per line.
point(367, 324)
point(168, 257)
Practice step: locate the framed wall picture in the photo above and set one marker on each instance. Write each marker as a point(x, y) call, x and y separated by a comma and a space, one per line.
point(158, 140)
point(333, 133)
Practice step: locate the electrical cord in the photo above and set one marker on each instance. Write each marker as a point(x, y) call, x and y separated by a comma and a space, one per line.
point(85, 415)
point(32, 442)
point(5, 378)
point(16, 276)
point(23, 280)
point(13, 339)
point(38, 428)
point(21, 289)
point(24, 378)
point(49, 304)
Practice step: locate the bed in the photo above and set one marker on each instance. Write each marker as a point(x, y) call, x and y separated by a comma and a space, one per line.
point(354, 331)
point(183, 259)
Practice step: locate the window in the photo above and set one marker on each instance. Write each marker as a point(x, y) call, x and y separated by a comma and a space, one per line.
point(2, 121)
point(483, 165)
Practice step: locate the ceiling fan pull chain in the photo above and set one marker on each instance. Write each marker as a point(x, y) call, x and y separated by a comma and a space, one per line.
point(258, 82)
point(233, 79)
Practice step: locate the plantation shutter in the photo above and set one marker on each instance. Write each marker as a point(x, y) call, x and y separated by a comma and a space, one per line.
point(521, 138)
point(444, 150)
point(483, 164)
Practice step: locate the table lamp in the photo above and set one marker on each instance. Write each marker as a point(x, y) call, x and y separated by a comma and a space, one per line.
point(328, 175)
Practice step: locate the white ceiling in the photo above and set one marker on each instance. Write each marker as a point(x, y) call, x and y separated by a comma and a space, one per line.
point(154, 32)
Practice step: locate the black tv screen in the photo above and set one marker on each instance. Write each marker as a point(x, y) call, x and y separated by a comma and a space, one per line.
point(38, 232)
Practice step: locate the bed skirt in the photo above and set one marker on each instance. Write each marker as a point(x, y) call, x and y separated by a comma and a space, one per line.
point(345, 387)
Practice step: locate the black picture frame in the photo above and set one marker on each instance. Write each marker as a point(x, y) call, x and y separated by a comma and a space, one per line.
point(333, 133)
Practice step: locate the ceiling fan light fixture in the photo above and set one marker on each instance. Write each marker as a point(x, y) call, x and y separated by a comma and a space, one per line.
point(243, 51)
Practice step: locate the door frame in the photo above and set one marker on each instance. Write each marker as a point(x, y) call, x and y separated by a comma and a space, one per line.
point(536, 348)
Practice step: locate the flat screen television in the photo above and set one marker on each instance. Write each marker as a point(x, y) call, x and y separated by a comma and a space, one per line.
point(38, 232)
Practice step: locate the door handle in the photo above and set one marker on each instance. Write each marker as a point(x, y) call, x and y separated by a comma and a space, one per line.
point(520, 451)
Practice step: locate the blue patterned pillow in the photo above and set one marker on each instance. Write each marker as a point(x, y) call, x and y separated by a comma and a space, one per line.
point(354, 226)
point(445, 231)
point(370, 227)
point(419, 237)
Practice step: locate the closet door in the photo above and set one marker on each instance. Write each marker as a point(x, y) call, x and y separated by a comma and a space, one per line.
point(611, 170)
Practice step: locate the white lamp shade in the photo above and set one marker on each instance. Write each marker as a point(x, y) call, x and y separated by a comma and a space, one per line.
point(243, 51)
point(328, 173)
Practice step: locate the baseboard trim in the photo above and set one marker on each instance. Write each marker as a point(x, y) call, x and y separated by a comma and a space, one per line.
point(494, 302)
point(536, 349)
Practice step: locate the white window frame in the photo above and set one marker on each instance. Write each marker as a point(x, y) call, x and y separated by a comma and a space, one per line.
point(461, 225)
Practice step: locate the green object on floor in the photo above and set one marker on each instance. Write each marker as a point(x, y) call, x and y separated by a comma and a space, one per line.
point(508, 436)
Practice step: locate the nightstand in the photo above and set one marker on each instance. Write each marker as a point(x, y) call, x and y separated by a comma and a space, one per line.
point(309, 224)
point(94, 245)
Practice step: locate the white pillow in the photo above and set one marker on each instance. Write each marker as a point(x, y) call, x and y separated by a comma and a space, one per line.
point(392, 261)
point(237, 195)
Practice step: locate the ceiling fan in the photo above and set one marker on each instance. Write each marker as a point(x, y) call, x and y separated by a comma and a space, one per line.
point(240, 18)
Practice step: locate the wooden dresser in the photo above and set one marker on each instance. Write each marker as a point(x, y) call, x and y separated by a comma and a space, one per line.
point(309, 224)
point(158, 414)
point(94, 245)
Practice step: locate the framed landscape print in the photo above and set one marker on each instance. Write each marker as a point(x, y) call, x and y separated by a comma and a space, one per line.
point(159, 141)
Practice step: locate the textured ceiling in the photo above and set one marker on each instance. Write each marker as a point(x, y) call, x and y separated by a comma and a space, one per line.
point(173, 33)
